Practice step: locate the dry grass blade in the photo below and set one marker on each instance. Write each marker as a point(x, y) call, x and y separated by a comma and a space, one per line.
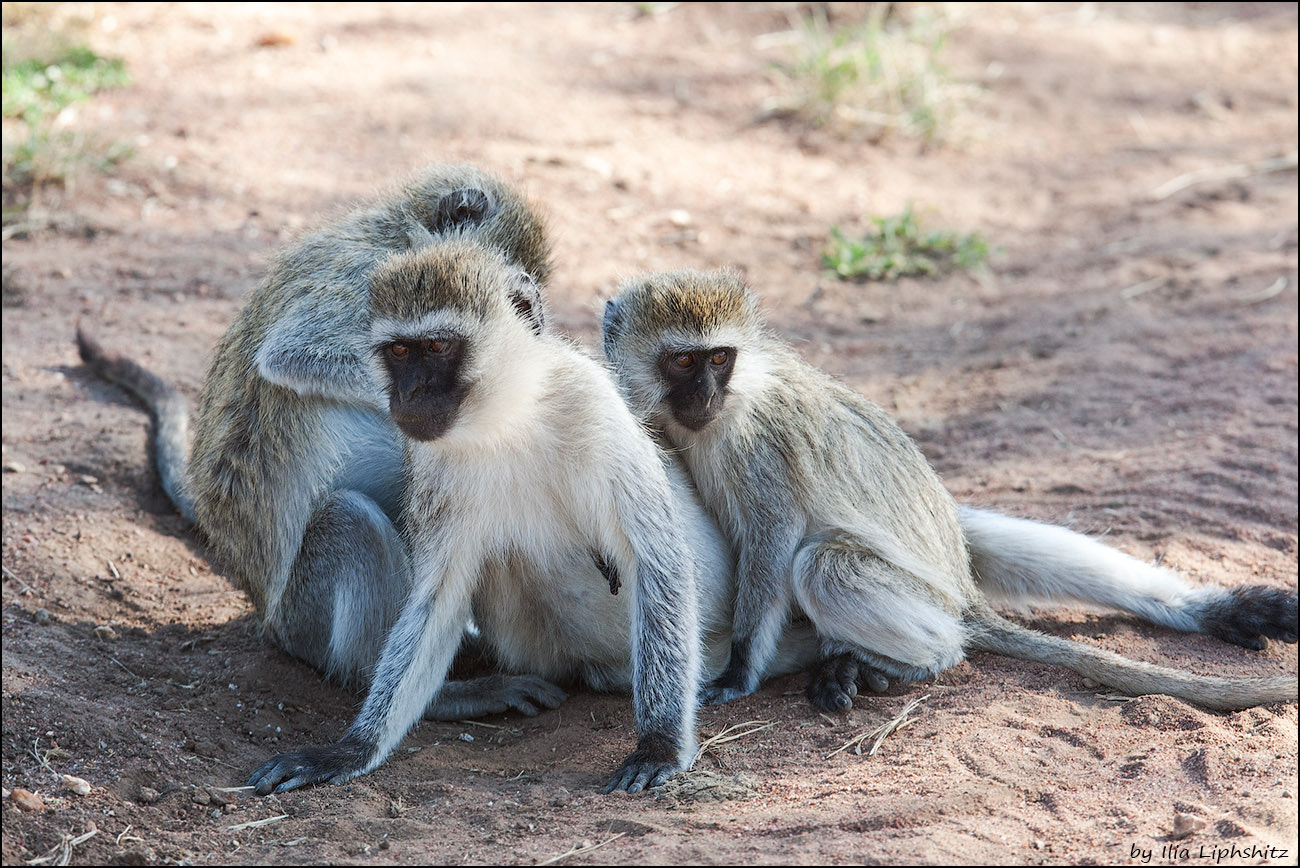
point(1281, 163)
point(881, 732)
point(574, 851)
point(61, 853)
point(730, 734)
point(250, 825)
point(1271, 291)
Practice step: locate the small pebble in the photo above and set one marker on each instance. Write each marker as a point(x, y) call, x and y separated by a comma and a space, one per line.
point(26, 801)
point(87, 479)
point(200, 797)
point(148, 795)
point(1090, 684)
point(679, 217)
point(41, 616)
point(77, 785)
point(1186, 824)
point(465, 736)
point(103, 631)
point(15, 467)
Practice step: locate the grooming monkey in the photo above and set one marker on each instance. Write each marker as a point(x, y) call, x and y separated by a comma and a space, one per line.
point(296, 477)
point(536, 503)
point(832, 508)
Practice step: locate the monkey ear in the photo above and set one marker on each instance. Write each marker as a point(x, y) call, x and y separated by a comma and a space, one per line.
point(527, 299)
point(310, 353)
point(610, 318)
point(459, 209)
point(609, 325)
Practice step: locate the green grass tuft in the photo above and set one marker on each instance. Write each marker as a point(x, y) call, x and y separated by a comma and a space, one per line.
point(38, 88)
point(876, 78)
point(899, 248)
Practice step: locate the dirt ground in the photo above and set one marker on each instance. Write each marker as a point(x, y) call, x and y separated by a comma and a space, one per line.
point(1127, 365)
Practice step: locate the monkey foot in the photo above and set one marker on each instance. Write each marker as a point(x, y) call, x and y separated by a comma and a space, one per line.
point(335, 764)
point(834, 682)
point(494, 694)
point(1249, 616)
point(718, 693)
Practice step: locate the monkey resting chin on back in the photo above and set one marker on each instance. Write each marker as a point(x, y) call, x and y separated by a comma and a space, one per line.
point(832, 508)
point(534, 500)
point(296, 471)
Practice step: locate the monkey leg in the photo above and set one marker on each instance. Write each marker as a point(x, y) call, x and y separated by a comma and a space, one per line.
point(344, 594)
point(877, 613)
point(1018, 561)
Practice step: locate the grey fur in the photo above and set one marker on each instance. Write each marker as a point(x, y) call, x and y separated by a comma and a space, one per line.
point(835, 513)
point(296, 472)
point(538, 465)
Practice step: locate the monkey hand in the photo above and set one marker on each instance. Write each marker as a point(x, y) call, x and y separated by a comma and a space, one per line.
point(646, 767)
point(494, 694)
point(1253, 614)
point(335, 763)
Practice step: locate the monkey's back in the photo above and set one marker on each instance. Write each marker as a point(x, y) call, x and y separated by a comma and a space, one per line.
point(265, 454)
point(849, 465)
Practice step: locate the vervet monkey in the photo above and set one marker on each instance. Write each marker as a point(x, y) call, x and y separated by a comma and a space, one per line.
point(536, 503)
point(832, 509)
point(295, 478)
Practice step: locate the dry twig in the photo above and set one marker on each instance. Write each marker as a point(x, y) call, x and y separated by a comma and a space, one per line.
point(575, 850)
point(249, 825)
point(61, 853)
point(1280, 163)
point(881, 732)
point(729, 734)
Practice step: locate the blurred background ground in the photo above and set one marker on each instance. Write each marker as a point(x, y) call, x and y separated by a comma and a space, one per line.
point(1105, 194)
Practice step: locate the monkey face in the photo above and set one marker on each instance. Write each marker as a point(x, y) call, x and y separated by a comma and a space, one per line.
point(696, 379)
point(425, 387)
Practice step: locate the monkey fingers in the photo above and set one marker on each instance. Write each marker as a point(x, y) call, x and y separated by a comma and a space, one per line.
point(335, 763)
point(642, 770)
point(1249, 616)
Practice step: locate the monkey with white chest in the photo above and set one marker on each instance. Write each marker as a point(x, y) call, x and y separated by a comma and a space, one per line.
point(834, 513)
point(536, 502)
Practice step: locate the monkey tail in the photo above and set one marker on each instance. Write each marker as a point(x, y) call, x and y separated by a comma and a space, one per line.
point(170, 411)
point(991, 632)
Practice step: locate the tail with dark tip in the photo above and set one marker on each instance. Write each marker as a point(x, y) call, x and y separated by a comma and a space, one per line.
point(991, 632)
point(170, 411)
point(1018, 562)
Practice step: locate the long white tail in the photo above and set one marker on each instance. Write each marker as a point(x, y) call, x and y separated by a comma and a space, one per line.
point(1017, 561)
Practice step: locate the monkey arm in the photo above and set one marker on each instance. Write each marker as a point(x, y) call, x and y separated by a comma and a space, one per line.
point(769, 534)
point(413, 666)
point(665, 629)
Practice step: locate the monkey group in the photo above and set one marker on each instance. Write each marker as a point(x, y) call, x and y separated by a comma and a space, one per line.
point(393, 452)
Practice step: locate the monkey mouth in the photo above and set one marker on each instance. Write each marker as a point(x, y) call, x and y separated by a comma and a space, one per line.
point(423, 427)
point(695, 420)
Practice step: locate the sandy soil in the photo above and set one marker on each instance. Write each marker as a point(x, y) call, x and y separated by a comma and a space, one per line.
point(1128, 366)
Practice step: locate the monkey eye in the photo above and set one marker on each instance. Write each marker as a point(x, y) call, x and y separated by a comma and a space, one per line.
point(719, 357)
point(684, 360)
point(438, 347)
point(398, 350)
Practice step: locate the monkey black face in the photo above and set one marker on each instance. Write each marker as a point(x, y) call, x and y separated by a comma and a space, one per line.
point(697, 383)
point(425, 392)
